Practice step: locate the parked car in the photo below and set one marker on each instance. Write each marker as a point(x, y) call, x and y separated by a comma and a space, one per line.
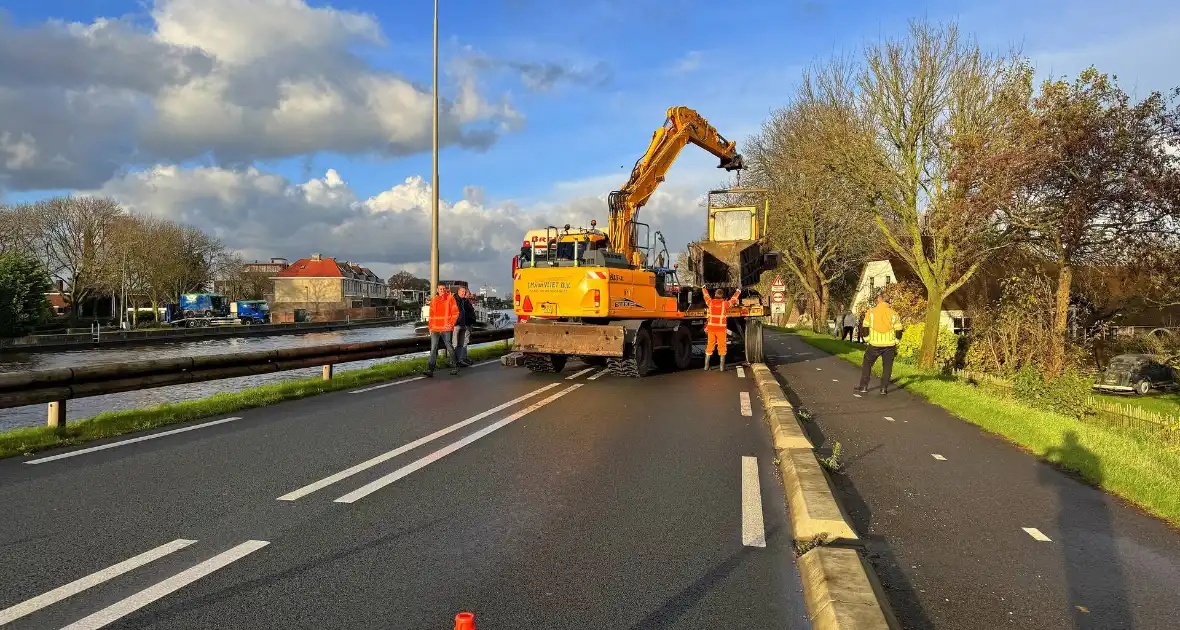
point(1138, 373)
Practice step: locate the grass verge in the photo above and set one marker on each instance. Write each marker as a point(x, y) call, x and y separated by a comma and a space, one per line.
point(1136, 468)
point(109, 424)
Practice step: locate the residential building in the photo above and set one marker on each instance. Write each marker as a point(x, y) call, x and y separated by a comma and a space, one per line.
point(326, 288)
point(272, 268)
point(878, 274)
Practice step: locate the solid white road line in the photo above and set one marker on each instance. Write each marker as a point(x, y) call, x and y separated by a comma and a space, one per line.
point(30, 606)
point(598, 375)
point(131, 441)
point(380, 483)
point(384, 457)
point(741, 372)
point(577, 374)
point(384, 385)
point(130, 604)
point(890, 418)
point(938, 457)
point(753, 530)
point(1036, 534)
point(481, 364)
point(744, 398)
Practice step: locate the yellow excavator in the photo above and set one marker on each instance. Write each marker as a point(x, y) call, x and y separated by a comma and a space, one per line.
point(613, 298)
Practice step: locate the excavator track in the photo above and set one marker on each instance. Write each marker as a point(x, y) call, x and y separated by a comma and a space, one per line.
point(543, 363)
point(627, 368)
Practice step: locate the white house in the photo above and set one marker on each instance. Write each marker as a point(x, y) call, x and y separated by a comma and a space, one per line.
point(877, 274)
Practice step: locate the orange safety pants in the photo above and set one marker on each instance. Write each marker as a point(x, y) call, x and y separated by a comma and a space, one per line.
point(716, 340)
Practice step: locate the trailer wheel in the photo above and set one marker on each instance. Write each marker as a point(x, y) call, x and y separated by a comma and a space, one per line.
point(754, 349)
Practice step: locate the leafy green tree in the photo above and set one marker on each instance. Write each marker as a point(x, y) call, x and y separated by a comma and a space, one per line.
point(23, 284)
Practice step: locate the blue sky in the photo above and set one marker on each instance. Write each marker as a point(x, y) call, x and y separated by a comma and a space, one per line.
point(618, 65)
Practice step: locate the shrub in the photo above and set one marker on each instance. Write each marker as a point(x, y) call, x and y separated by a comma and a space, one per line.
point(1067, 394)
point(944, 355)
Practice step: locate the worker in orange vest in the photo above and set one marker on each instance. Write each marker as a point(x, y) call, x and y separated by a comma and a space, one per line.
point(883, 323)
point(444, 312)
point(715, 326)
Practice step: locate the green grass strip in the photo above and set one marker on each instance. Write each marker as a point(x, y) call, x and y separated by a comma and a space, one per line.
point(29, 440)
point(1135, 467)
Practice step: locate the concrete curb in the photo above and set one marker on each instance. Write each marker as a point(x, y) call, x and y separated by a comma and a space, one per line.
point(841, 591)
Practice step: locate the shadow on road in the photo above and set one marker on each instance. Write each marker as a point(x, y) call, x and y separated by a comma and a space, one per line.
point(674, 608)
point(1095, 578)
point(903, 597)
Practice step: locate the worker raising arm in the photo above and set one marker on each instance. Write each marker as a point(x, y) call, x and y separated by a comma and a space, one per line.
point(716, 326)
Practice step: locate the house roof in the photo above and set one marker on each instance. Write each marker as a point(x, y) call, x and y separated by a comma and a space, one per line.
point(309, 268)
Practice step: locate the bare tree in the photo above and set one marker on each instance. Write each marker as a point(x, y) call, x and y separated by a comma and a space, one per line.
point(819, 215)
point(937, 110)
point(75, 235)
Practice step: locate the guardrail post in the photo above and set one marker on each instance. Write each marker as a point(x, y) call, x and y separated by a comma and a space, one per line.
point(327, 372)
point(57, 415)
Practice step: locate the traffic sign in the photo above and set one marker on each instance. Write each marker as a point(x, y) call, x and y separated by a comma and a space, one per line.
point(778, 309)
point(778, 298)
point(778, 285)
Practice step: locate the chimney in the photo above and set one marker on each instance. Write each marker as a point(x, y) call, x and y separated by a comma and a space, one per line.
point(316, 257)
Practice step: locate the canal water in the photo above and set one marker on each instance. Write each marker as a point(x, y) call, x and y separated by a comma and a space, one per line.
point(80, 408)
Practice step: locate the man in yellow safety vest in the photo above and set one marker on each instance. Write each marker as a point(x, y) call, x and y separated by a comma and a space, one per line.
point(883, 324)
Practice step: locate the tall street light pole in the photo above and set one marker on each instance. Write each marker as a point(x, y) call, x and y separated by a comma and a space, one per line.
point(434, 168)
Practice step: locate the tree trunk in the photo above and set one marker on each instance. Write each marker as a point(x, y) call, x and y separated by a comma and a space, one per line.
point(1060, 320)
point(823, 306)
point(927, 356)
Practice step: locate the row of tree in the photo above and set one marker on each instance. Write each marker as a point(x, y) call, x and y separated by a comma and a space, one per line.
point(95, 248)
point(952, 160)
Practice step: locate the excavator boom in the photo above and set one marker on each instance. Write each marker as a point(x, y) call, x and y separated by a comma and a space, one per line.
point(682, 126)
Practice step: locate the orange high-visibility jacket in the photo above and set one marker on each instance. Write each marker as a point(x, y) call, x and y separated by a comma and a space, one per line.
point(718, 310)
point(444, 311)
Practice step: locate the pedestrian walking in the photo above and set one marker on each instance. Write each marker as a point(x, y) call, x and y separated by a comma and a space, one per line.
point(444, 311)
point(463, 324)
point(883, 323)
point(848, 322)
point(860, 327)
point(715, 327)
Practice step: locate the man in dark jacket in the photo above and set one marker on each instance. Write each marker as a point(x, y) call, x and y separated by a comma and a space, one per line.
point(463, 326)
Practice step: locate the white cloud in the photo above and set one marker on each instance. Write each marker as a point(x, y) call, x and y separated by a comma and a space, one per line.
point(239, 80)
point(688, 63)
point(261, 214)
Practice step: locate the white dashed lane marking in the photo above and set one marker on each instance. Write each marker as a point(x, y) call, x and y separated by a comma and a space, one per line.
point(1036, 534)
point(744, 398)
point(890, 418)
point(938, 457)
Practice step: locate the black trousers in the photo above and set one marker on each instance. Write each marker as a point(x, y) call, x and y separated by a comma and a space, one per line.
point(846, 334)
point(886, 354)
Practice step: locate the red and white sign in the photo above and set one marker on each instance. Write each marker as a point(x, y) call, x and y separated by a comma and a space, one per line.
point(778, 298)
point(778, 286)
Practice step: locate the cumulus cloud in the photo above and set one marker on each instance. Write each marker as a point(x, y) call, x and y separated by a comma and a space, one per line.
point(261, 214)
point(239, 80)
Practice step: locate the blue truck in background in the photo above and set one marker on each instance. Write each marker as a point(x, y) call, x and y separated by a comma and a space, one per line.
point(203, 305)
point(251, 311)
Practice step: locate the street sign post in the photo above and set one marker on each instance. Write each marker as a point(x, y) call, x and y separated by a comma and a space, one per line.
point(778, 308)
point(778, 298)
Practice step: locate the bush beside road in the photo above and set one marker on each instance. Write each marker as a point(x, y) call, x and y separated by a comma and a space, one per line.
point(1133, 467)
point(105, 425)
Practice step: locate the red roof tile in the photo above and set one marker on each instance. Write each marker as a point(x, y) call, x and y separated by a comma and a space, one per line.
point(308, 268)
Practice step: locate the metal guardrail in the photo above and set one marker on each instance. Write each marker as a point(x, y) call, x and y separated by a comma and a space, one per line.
point(57, 386)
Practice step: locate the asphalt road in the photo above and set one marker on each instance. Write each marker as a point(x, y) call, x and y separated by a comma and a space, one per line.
point(947, 535)
point(562, 502)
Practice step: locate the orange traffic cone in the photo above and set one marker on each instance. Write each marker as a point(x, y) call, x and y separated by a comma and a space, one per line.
point(465, 621)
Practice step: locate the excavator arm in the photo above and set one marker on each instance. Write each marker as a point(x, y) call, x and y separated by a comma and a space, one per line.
point(682, 126)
